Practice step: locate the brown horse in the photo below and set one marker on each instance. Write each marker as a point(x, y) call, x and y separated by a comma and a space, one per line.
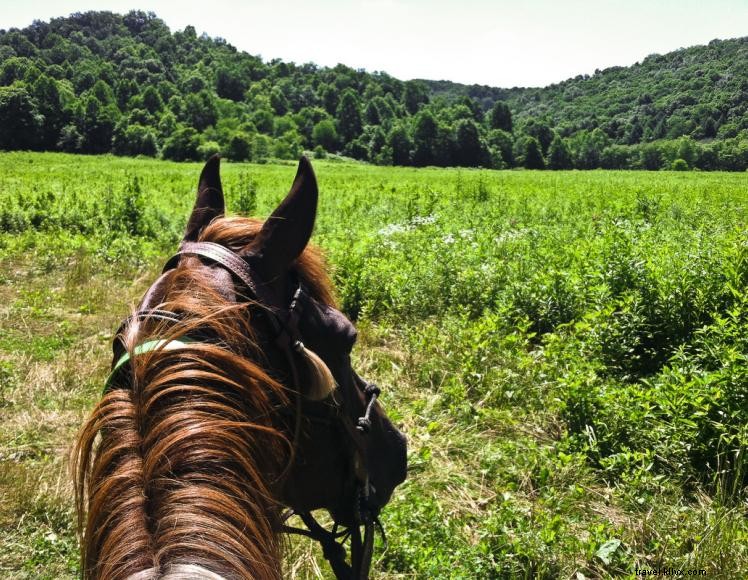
point(232, 403)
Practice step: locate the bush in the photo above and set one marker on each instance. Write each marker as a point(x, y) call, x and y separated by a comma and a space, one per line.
point(182, 146)
point(208, 149)
point(679, 165)
point(239, 148)
point(325, 135)
point(134, 140)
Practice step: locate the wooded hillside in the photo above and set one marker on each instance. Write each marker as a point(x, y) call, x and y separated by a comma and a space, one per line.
point(102, 82)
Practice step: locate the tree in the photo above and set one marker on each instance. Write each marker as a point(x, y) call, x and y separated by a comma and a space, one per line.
point(287, 146)
point(470, 151)
point(230, 84)
point(415, 94)
point(264, 121)
point(616, 157)
point(98, 125)
point(533, 155)
point(239, 147)
point(371, 113)
point(20, 121)
point(134, 140)
point(500, 117)
point(687, 150)
point(103, 92)
point(152, 100)
point(14, 69)
point(377, 142)
point(49, 105)
point(325, 135)
point(587, 148)
point(182, 145)
point(70, 141)
point(400, 145)
point(278, 101)
point(194, 84)
point(200, 110)
point(348, 115)
point(503, 142)
point(283, 125)
point(425, 131)
point(710, 127)
point(559, 156)
point(542, 132)
point(140, 73)
point(329, 97)
point(384, 108)
point(651, 157)
point(476, 113)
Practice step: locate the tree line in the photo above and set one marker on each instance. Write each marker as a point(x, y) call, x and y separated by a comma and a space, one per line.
point(99, 82)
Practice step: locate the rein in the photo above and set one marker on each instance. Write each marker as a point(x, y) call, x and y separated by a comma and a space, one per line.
point(287, 338)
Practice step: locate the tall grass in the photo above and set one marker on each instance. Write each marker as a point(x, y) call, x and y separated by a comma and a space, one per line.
point(566, 351)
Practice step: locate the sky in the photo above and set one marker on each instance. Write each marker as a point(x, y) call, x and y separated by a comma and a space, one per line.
point(498, 43)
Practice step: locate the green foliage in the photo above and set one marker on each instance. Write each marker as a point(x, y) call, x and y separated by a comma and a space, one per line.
point(182, 145)
point(415, 94)
point(425, 137)
point(20, 122)
point(679, 165)
point(470, 150)
point(533, 157)
point(89, 76)
point(230, 84)
point(559, 156)
point(503, 142)
point(400, 146)
point(348, 115)
point(246, 201)
point(324, 135)
point(239, 148)
point(695, 96)
point(134, 140)
point(208, 149)
point(500, 117)
point(542, 133)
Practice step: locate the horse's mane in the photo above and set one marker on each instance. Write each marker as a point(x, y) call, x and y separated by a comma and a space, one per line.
point(174, 466)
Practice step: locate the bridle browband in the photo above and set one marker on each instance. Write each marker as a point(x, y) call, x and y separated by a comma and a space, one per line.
point(284, 326)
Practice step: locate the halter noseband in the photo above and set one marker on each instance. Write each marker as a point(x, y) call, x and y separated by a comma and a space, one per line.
point(287, 338)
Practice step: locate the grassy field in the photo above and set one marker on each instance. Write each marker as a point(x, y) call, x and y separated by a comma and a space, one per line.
point(567, 353)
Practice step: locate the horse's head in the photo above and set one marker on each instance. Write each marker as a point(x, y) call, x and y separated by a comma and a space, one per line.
point(342, 453)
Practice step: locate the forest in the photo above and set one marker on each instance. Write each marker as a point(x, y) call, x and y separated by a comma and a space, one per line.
point(100, 82)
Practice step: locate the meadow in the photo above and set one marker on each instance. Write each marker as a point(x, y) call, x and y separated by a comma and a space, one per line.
point(566, 352)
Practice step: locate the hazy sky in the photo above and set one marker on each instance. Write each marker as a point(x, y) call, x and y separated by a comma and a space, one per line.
point(499, 43)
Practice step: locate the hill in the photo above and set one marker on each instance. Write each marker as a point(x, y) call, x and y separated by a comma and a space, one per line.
point(701, 91)
point(97, 82)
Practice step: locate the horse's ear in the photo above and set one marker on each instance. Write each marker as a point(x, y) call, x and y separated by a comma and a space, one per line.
point(286, 232)
point(209, 203)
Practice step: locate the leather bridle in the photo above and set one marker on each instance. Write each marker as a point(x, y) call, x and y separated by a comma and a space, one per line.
point(286, 336)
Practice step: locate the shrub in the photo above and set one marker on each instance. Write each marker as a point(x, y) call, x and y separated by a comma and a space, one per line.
point(182, 145)
point(679, 165)
point(239, 148)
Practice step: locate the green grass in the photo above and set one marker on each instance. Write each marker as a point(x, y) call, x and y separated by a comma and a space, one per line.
point(566, 352)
